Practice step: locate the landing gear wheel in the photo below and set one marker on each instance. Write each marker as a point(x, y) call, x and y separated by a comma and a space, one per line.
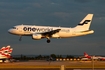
point(48, 41)
point(20, 38)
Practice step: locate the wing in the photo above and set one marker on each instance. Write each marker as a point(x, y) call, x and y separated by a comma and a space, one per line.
point(50, 33)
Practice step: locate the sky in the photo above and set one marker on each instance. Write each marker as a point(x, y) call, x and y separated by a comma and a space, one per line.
point(64, 13)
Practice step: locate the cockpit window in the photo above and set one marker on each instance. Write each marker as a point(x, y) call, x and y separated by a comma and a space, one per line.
point(14, 27)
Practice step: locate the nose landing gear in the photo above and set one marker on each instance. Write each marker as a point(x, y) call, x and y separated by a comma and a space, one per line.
point(20, 38)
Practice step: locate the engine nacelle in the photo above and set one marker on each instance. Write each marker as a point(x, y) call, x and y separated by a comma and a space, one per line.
point(37, 36)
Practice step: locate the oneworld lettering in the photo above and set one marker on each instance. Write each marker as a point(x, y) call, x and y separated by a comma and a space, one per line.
point(37, 29)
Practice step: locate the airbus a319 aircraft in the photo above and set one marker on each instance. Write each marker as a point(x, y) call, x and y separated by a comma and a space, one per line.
point(39, 32)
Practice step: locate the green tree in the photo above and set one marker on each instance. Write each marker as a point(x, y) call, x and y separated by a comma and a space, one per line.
point(53, 55)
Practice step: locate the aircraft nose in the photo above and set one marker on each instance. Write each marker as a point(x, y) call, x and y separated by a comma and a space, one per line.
point(10, 30)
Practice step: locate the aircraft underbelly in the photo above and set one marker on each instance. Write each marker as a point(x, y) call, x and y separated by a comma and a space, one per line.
point(64, 35)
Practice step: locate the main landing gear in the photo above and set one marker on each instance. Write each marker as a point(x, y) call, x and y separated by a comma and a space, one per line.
point(48, 40)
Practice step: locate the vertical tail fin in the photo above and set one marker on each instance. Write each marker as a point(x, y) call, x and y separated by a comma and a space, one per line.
point(86, 55)
point(85, 23)
point(6, 51)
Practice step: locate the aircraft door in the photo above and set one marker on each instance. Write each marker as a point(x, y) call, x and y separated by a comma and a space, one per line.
point(20, 29)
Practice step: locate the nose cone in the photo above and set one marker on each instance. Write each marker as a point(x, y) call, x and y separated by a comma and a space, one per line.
point(10, 30)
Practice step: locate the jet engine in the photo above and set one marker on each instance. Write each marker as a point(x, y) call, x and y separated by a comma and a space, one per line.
point(37, 36)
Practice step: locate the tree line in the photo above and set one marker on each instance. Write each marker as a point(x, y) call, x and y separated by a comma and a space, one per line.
point(42, 57)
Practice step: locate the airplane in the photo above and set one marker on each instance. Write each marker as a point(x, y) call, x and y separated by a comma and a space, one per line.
point(94, 57)
point(40, 32)
point(5, 53)
point(101, 58)
point(90, 57)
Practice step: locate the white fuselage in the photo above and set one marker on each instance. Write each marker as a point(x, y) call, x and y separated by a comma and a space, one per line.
point(64, 32)
point(3, 57)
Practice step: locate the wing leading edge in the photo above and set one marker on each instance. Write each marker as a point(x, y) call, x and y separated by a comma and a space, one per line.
point(50, 33)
